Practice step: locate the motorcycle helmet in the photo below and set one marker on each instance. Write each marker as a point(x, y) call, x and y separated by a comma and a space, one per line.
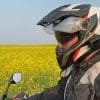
point(73, 26)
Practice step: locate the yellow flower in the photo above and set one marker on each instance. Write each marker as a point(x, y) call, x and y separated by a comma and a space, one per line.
point(37, 63)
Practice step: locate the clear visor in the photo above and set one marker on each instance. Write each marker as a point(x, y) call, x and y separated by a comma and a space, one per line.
point(49, 29)
point(69, 25)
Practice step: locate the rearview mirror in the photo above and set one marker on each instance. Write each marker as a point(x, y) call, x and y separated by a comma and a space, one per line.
point(15, 78)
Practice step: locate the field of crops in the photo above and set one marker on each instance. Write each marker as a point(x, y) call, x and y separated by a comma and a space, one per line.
point(37, 63)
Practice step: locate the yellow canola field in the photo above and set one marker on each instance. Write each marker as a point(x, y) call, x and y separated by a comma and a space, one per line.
point(37, 63)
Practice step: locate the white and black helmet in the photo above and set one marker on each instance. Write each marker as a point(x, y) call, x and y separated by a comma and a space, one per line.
point(77, 23)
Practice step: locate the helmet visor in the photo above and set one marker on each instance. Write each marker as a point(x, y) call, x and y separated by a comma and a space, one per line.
point(70, 25)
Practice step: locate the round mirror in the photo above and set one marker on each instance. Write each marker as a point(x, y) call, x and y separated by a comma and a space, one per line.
point(16, 77)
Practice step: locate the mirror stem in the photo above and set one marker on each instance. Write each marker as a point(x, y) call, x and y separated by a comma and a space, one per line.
point(6, 91)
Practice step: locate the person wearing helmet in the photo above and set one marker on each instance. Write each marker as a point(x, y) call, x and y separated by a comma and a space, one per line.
point(77, 31)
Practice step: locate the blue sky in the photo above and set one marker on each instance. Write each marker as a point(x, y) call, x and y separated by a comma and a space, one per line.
point(18, 19)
